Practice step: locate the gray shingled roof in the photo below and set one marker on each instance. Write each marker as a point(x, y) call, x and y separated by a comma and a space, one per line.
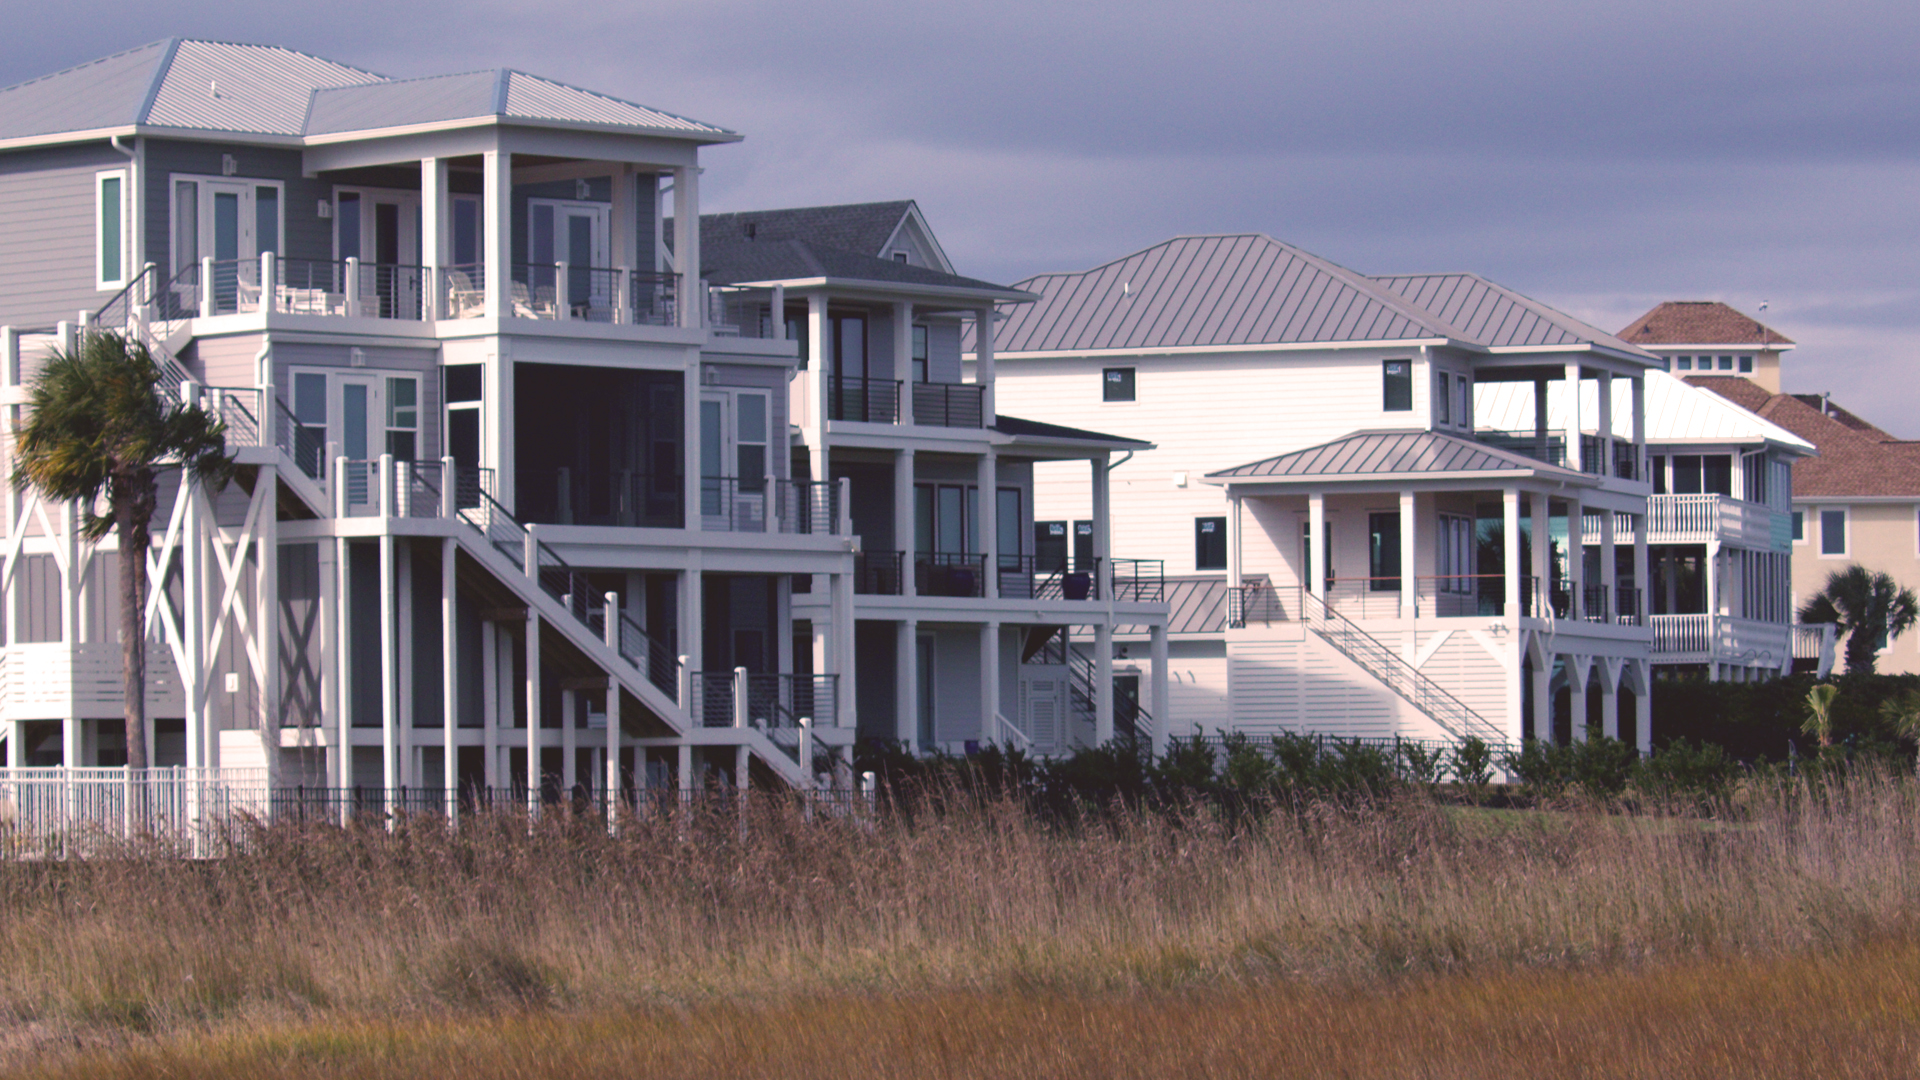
point(1392, 453)
point(859, 227)
point(733, 261)
point(267, 90)
point(502, 92)
point(1210, 290)
point(1494, 315)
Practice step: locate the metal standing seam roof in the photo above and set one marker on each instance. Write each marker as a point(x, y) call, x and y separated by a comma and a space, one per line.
point(1210, 290)
point(1676, 412)
point(732, 262)
point(1392, 453)
point(268, 90)
point(1196, 605)
point(1494, 315)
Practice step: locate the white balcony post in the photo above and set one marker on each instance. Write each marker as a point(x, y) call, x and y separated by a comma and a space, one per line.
point(353, 287)
point(906, 666)
point(844, 526)
point(1102, 527)
point(449, 673)
point(1102, 683)
point(989, 682)
point(1576, 459)
point(806, 745)
point(562, 293)
point(987, 479)
point(1510, 550)
point(770, 508)
point(777, 314)
point(435, 222)
point(1609, 566)
point(1317, 544)
point(739, 697)
point(449, 488)
point(531, 549)
point(269, 283)
point(1576, 559)
point(903, 358)
point(1409, 557)
point(389, 675)
point(1638, 385)
point(1642, 579)
point(1157, 685)
point(1542, 554)
point(622, 294)
point(533, 711)
point(497, 231)
point(1603, 422)
point(385, 478)
point(1234, 571)
point(683, 687)
point(686, 245)
point(207, 307)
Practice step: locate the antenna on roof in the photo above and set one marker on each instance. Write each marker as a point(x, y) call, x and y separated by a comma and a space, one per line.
point(1126, 288)
point(213, 88)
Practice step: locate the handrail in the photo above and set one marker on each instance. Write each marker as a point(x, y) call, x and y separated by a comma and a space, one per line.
point(1087, 672)
point(1004, 724)
point(1396, 674)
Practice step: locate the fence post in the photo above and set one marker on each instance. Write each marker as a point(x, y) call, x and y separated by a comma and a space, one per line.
point(806, 745)
point(449, 488)
point(268, 284)
point(386, 486)
point(739, 697)
point(532, 554)
point(770, 513)
point(685, 690)
point(844, 526)
point(207, 307)
point(622, 290)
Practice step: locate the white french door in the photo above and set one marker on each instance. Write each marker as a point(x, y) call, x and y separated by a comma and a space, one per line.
point(733, 459)
point(364, 415)
point(578, 234)
point(230, 221)
point(381, 230)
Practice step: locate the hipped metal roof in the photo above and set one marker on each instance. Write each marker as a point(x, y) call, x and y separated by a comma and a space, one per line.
point(1386, 454)
point(1250, 289)
point(227, 88)
point(736, 262)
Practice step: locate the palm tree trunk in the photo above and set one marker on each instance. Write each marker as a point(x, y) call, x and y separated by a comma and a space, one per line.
point(131, 524)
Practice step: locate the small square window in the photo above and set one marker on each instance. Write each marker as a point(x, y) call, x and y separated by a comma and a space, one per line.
point(1116, 384)
point(1833, 532)
point(1210, 543)
point(1397, 386)
point(1746, 365)
point(1726, 363)
point(1683, 363)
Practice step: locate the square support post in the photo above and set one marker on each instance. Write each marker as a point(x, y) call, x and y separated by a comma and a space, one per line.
point(1409, 561)
point(1577, 559)
point(434, 233)
point(906, 723)
point(497, 235)
point(989, 682)
point(1576, 459)
point(983, 363)
point(1102, 684)
point(903, 520)
point(1317, 544)
point(903, 357)
point(686, 245)
point(449, 661)
point(986, 479)
point(1157, 686)
point(1510, 552)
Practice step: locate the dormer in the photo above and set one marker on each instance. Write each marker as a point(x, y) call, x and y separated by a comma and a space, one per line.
point(1705, 336)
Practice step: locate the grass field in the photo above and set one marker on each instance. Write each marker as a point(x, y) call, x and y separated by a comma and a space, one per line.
point(1396, 938)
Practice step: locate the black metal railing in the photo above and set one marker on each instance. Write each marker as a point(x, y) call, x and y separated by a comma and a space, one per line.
point(1549, 448)
point(1022, 577)
point(306, 446)
point(1262, 603)
point(1139, 580)
point(873, 401)
point(877, 573)
point(949, 404)
point(949, 573)
point(774, 700)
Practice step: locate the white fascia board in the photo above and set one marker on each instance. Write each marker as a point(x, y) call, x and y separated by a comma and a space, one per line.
point(1599, 352)
point(1663, 347)
point(1403, 479)
point(1197, 350)
point(882, 289)
point(1842, 500)
point(498, 120)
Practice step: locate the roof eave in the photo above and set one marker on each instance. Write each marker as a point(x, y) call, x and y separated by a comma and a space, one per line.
point(704, 138)
point(61, 138)
point(1636, 355)
point(1254, 347)
point(1759, 346)
point(950, 292)
point(1563, 478)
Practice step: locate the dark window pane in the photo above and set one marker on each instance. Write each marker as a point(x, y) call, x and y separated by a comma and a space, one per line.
point(1833, 532)
point(463, 382)
point(1116, 384)
point(1716, 474)
point(1050, 546)
point(1686, 474)
point(1397, 385)
point(1383, 552)
point(1210, 543)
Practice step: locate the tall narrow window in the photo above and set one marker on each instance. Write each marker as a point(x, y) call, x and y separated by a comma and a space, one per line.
point(186, 224)
point(266, 218)
point(1442, 400)
point(1210, 543)
point(1049, 546)
point(111, 265)
point(919, 354)
point(1083, 545)
point(1383, 552)
point(1833, 532)
point(1397, 386)
point(1006, 522)
point(750, 440)
point(1799, 526)
point(403, 417)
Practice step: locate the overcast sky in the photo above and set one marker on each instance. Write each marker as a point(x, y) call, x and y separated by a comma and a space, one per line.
point(1598, 157)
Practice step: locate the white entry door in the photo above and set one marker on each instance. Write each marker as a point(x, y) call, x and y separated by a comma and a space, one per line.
point(381, 231)
point(358, 413)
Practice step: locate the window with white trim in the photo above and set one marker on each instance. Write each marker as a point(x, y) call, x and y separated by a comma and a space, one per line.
point(1833, 532)
point(1799, 526)
point(110, 229)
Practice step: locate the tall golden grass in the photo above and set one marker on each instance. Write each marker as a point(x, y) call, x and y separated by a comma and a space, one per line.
point(325, 926)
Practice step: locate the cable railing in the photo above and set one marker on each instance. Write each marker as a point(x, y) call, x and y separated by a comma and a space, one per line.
point(959, 405)
point(1454, 596)
point(1131, 720)
point(1394, 672)
point(1139, 580)
point(772, 701)
point(1023, 578)
point(463, 291)
point(1262, 603)
point(304, 446)
point(873, 401)
point(742, 504)
point(949, 573)
point(564, 291)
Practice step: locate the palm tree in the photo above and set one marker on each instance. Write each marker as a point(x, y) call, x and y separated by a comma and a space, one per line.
point(1868, 607)
point(1819, 722)
point(97, 424)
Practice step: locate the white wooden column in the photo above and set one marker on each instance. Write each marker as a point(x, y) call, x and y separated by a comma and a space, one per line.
point(1609, 697)
point(342, 654)
point(1541, 412)
point(1409, 560)
point(622, 221)
point(1233, 539)
point(983, 363)
point(403, 663)
point(497, 234)
point(906, 666)
point(1102, 526)
point(686, 244)
point(389, 675)
point(903, 519)
point(449, 666)
point(1603, 421)
point(691, 442)
point(1639, 388)
point(533, 710)
point(1317, 544)
point(569, 740)
point(1510, 551)
point(1643, 707)
point(989, 682)
point(266, 617)
point(987, 480)
point(1575, 459)
point(1577, 558)
point(434, 231)
point(1609, 566)
point(1543, 699)
point(1542, 554)
point(1102, 684)
point(903, 357)
point(1579, 673)
point(1157, 686)
point(820, 376)
point(1642, 579)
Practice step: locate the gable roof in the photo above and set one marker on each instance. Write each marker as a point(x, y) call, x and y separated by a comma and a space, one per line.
point(1494, 315)
point(864, 228)
point(1210, 291)
point(503, 92)
point(1854, 462)
point(736, 262)
point(1676, 411)
point(1384, 454)
point(230, 88)
point(1701, 322)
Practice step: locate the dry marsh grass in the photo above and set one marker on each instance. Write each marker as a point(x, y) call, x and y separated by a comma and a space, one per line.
point(689, 923)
